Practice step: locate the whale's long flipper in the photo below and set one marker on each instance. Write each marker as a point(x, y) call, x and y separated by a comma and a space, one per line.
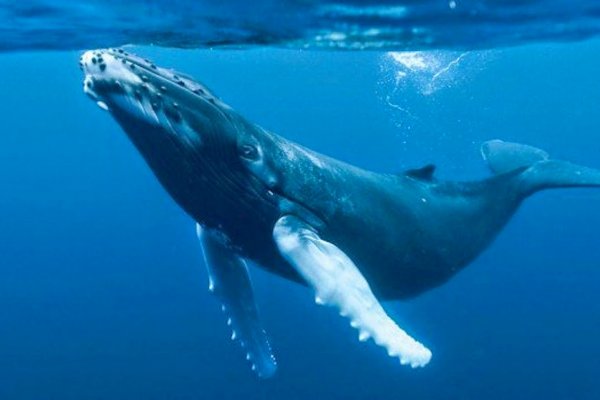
point(339, 283)
point(230, 282)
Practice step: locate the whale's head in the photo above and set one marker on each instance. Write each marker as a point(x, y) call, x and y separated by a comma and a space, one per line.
point(192, 141)
point(140, 94)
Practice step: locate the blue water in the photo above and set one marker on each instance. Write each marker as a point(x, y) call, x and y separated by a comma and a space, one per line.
point(103, 291)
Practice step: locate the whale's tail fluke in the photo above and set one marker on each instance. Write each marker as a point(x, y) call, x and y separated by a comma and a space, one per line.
point(538, 170)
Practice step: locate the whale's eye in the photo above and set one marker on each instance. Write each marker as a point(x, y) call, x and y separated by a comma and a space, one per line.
point(249, 152)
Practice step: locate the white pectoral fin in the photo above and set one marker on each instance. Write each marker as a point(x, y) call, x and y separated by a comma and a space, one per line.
point(338, 282)
point(230, 282)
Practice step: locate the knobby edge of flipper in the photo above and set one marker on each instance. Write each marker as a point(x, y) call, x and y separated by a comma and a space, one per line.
point(338, 282)
point(230, 282)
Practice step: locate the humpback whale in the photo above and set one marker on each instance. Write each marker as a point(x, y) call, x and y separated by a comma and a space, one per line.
point(353, 236)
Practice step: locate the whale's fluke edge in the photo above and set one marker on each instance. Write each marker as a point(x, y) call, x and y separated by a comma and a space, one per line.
point(503, 157)
point(539, 171)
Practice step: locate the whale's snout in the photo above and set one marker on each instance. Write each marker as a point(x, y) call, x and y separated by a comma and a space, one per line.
point(129, 85)
point(108, 75)
point(115, 71)
point(136, 91)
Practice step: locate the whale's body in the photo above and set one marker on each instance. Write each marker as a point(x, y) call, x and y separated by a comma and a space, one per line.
point(308, 217)
point(406, 232)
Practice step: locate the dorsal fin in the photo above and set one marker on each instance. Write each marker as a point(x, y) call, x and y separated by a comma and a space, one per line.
point(424, 173)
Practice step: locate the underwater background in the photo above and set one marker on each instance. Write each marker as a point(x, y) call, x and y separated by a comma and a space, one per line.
point(103, 291)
